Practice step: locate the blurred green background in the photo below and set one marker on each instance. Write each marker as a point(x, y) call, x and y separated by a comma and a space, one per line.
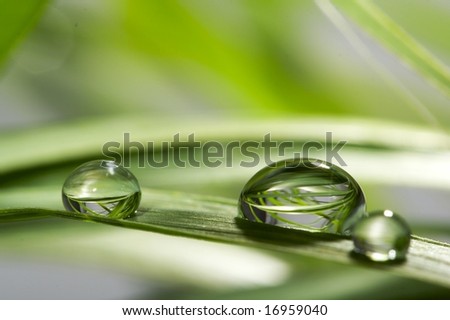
point(77, 74)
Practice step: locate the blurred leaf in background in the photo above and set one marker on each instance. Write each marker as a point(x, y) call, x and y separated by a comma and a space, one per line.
point(374, 73)
point(17, 20)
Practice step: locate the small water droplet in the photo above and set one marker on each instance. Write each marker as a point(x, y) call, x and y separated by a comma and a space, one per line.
point(306, 194)
point(382, 236)
point(101, 187)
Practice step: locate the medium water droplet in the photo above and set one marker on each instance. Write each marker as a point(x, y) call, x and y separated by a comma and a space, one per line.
point(382, 236)
point(305, 194)
point(102, 187)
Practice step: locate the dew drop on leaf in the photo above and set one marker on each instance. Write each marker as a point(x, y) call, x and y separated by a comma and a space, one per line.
point(382, 236)
point(102, 187)
point(306, 194)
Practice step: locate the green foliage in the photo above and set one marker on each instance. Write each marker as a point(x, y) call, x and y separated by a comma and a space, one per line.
point(368, 15)
point(17, 18)
point(228, 71)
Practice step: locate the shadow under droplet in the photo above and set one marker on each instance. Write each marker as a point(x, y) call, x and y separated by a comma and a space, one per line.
point(276, 235)
point(363, 259)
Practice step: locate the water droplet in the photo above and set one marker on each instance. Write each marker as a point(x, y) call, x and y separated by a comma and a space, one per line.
point(102, 187)
point(382, 236)
point(306, 194)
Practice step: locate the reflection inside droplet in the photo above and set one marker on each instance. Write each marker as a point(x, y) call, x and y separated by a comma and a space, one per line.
point(101, 187)
point(306, 194)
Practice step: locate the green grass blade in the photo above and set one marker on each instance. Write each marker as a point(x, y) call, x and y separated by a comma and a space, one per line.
point(371, 18)
point(84, 138)
point(214, 219)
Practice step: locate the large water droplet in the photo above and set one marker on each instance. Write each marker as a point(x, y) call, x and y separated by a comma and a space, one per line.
point(305, 194)
point(102, 187)
point(382, 236)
